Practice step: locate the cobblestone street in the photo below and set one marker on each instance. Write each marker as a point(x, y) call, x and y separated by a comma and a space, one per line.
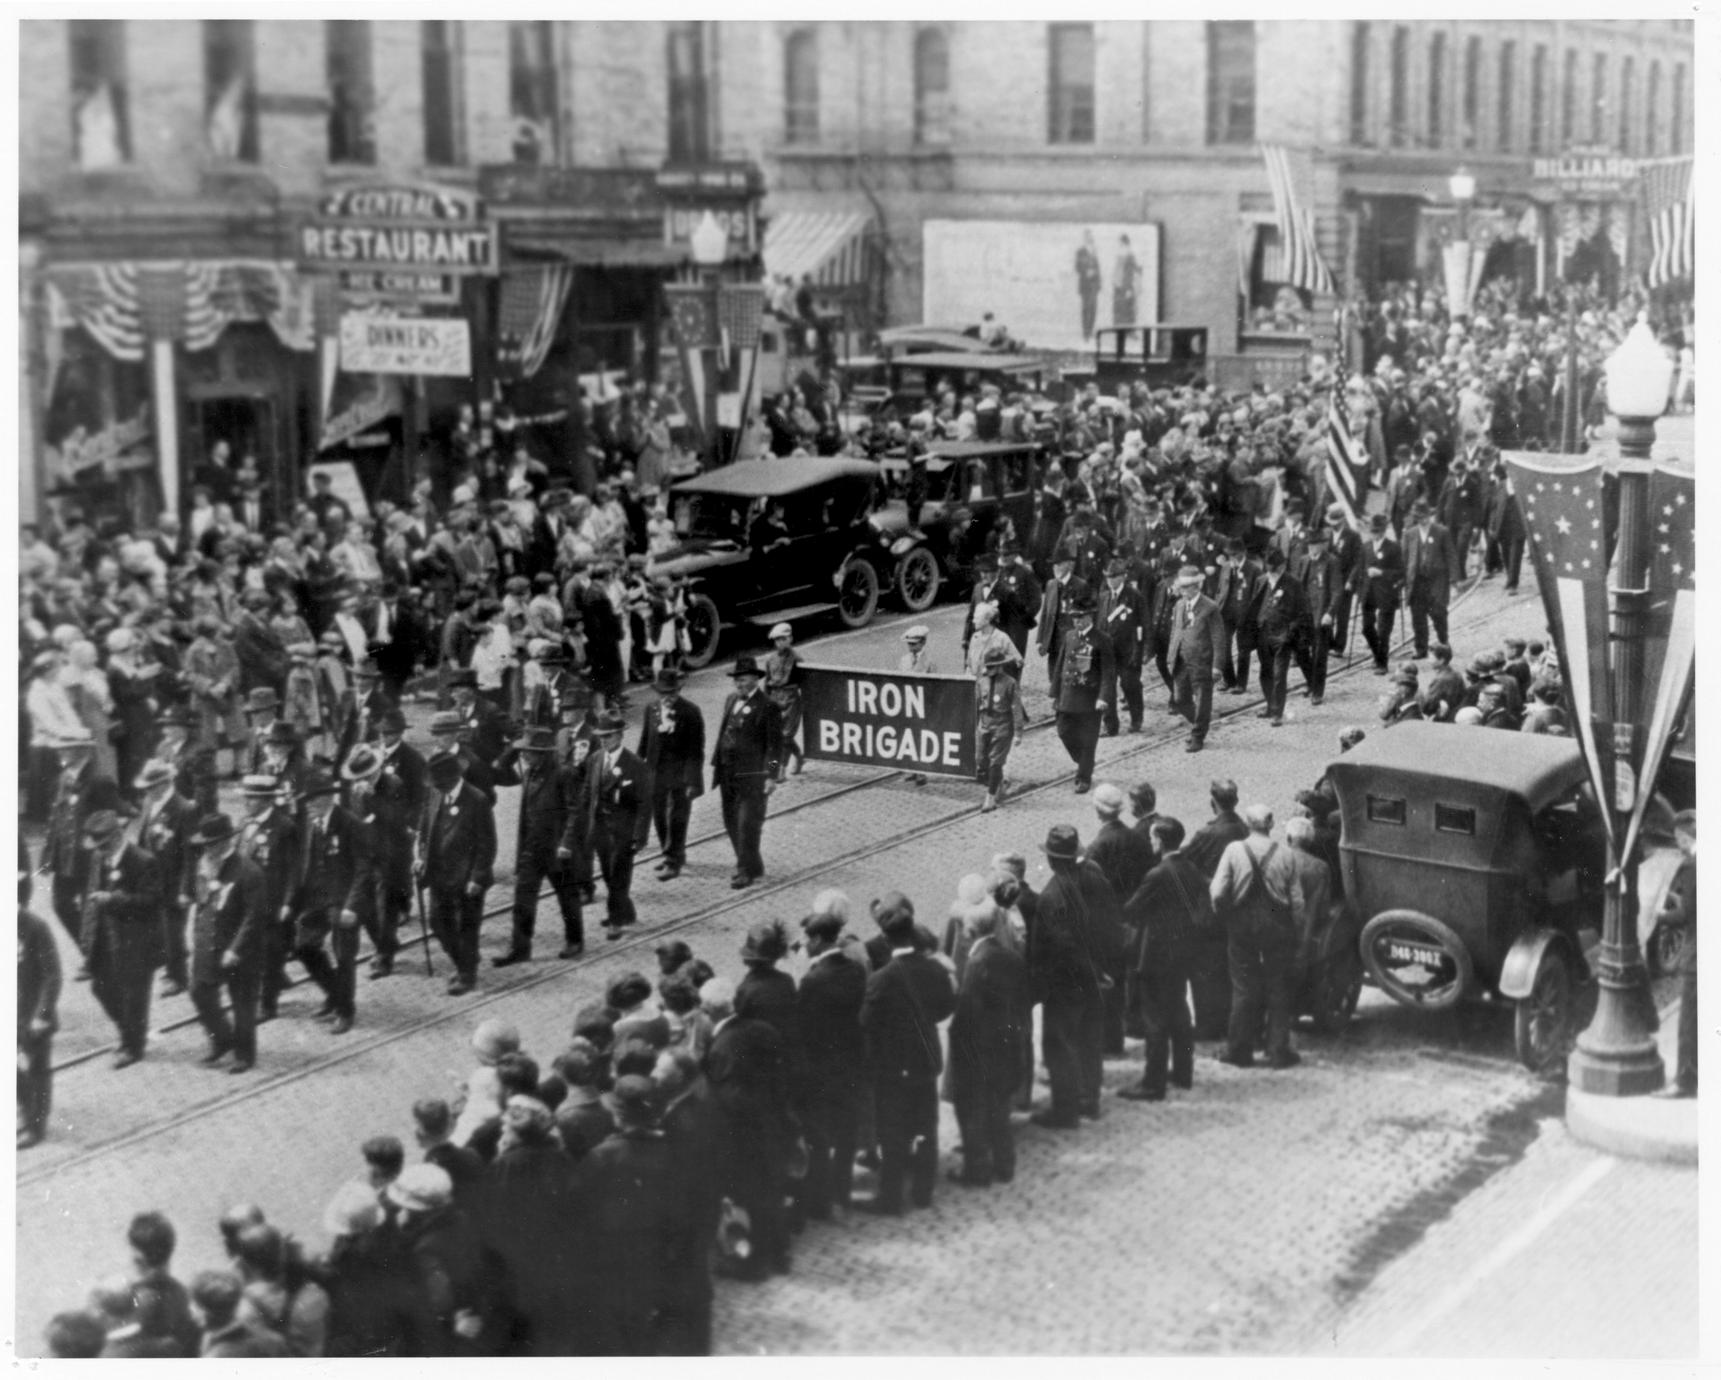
point(1243, 1209)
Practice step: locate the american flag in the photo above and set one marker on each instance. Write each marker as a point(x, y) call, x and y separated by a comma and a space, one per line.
point(1670, 205)
point(739, 309)
point(1565, 516)
point(528, 314)
point(1347, 462)
point(1304, 267)
point(1670, 639)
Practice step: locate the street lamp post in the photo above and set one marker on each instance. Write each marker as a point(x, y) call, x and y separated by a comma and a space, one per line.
point(1463, 188)
point(1617, 1056)
point(1457, 254)
point(710, 245)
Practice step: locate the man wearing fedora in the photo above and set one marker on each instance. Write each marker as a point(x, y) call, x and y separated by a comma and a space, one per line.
point(1016, 593)
point(455, 861)
point(1122, 611)
point(484, 724)
point(1430, 563)
point(744, 766)
point(616, 794)
point(227, 921)
point(262, 713)
point(400, 781)
point(165, 821)
point(1083, 682)
point(1380, 577)
point(549, 800)
point(449, 732)
point(122, 939)
point(1282, 622)
point(1069, 951)
point(1195, 653)
point(269, 839)
point(672, 746)
point(335, 889)
point(78, 794)
point(1347, 546)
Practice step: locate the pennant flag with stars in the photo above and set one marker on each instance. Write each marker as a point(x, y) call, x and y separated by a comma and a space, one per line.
point(1670, 639)
point(1561, 500)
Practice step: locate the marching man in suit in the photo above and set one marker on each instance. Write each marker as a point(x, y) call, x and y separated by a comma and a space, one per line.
point(1282, 625)
point(1195, 654)
point(1123, 614)
point(1084, 682)
point(744, 767)
point(1381, 579)
point(617, 793)
point(455, 862)
point(123, 930)
point(165, 821)
point(550, 797)
point(398, 782)
point(336, 888)
point(1430, 562)
point(227, 923)
point(672, 746)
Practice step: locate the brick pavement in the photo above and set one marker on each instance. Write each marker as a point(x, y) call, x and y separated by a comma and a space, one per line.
point(1261, 1145)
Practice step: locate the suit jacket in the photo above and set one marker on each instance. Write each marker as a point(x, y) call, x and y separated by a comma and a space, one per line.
point(619, 801)
point(128, 923)
point(489, 730)
point(163, 830)
point(1429, 561)
point(228, 914)
point(1017, 594)
point(905, 1001)
point(1207, 844)
point(1167, 912)
point(262, 657)
point(1381, 591)
point(270, 842)
point(677, 758)
point(749, 739)
point(550, 795)
point(337, 867)
point(748, 1073)
point(1323, 584)
point(1348, 548)
point(38, 974)
point(828, 1003)
point(1123, 855)
point(1197, 637)
point(991, 1017)
point(457, 840)
point(1074, 691)
point(1281, 609)
point(1124, 616)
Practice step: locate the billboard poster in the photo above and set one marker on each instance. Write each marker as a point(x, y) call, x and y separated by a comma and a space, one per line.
point(1051, 285)
point(883, 719)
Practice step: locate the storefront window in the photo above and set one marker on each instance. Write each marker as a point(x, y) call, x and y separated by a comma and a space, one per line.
point(352, 91)
point(99, 450)
point(1598, 98)
point(101, 117)
point(230, 89)
point(1652, 117)
point(1676, 117)
point(532, 91)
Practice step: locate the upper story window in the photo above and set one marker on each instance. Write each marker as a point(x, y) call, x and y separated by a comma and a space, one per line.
point(1627, 95)
point(1598, 98)
point(1539, 99)
point(352, 91)
point(532, 90)
point(1676, 112)
point(230, 89)
point(1361, 37)
point(1652, 113)
point(801, 88)
point(931, 87)
point(1070, 109)
point(1437, 90)
point(689, 94)
point(1569, 98)
point(1506, 92)
point(1398, 121)
point(439, 60)
point(1231, 81)
point(101, 124)
point(1472, 92)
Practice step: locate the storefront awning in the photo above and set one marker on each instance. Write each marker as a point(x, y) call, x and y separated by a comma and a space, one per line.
point(828, 245)
point(597, 253)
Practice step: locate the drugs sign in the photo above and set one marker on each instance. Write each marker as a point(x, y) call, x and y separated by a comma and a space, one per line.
point(881, 719)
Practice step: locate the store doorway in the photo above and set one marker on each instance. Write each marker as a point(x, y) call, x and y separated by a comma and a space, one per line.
point(250, 424)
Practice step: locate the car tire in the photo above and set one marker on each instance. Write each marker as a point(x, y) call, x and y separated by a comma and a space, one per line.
point(917, 580)
point(704, 631)
point(1545, 1022)
point(857, 594)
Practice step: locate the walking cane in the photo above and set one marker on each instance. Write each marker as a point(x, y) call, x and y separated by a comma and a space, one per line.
point(424, 929)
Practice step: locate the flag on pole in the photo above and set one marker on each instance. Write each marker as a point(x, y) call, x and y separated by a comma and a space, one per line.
point(1304, 267)
point(1347, 462)
point(1670, 639)
point(528, 314)
point(1565, 517)
point(1669, 203)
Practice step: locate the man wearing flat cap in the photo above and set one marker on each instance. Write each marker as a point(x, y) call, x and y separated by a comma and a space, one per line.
point(227, 923)
point(454, 861)
point(335, 891)
point(550, 798)
point(122, 930)
point(672, 747)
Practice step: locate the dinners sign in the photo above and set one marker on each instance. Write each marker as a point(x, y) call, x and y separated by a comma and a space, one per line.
point(437, 346)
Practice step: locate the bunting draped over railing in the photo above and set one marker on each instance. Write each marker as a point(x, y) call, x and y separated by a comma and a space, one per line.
point(528, 315)
point(125, 305)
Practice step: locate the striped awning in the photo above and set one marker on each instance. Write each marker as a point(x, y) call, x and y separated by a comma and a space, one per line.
point(829, 245)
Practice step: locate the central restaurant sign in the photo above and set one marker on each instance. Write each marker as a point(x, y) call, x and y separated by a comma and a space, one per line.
point(883, 719)
point(416, 234)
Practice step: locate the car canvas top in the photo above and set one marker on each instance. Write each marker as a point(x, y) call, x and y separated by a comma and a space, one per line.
point(1538, 767)
point(773, 478)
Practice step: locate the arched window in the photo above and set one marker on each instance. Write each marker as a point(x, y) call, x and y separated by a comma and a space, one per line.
point(801, 88)
point(931, 87)
point(1437, 90)
point(1398, 121)
point(1360, 40)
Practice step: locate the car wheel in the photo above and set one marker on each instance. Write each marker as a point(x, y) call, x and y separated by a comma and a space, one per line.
point(1666, 949)
point(1337, 991)
point(704, 631)
point(1546, 1020)
point(857, 595)
point(917, 580)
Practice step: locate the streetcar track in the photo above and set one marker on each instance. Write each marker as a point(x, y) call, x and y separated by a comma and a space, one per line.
point(559, 969)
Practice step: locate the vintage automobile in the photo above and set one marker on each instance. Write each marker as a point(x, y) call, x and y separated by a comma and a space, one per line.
point(1473, 860)
point(763, 541)
point(913, 378)
point(989, 478)
point(1159, 356)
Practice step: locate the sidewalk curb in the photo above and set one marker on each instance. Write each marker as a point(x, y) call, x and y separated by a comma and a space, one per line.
point(1658, 1129)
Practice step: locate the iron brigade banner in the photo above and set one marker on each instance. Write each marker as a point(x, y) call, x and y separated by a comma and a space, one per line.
point(882, 719)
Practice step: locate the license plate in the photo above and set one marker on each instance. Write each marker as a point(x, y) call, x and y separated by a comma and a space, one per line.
point(1415, 953)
